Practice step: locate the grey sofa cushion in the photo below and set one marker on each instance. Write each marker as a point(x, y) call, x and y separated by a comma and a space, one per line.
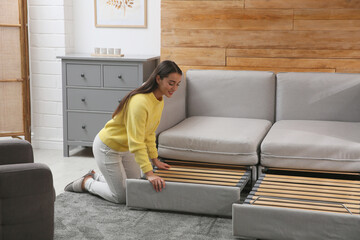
point(318, 96)
point(317, 145)
point(214, 139)
point(224, 93)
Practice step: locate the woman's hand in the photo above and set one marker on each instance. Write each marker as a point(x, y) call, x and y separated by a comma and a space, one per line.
point(157, 182)
point(160, 165)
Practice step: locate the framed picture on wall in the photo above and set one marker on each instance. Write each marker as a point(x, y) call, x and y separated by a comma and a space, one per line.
point(121, 13)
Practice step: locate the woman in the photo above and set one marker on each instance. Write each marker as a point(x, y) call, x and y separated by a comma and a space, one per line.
point(127, 142)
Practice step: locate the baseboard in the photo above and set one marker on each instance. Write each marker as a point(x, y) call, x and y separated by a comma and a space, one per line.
point(47, 144)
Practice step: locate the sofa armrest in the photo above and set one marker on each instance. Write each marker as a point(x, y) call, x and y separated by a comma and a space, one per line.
point(174, 109)
point(14, 151)
point(25, 179)
point(27, 201)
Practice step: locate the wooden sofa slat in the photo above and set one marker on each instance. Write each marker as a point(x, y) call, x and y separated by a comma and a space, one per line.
point(314, 171)
point(171, 172)
point(209, 168)
point(304, 207)
point(307, 189)
point(306, 193)
point(309, 182)
point(315, 187)
point(199, 181)
point(294, 196)
point(329, 207)
point(355, 182)
point(352, 207)
point(206, 171)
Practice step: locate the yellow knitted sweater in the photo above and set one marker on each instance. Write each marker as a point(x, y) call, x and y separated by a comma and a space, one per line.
point(133, 129)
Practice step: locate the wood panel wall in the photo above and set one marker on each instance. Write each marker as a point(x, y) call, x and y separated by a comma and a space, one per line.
point(274, 35)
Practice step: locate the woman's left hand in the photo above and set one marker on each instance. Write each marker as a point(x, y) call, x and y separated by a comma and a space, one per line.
point(160, 165)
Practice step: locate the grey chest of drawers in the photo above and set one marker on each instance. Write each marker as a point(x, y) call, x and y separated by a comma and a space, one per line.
point(92, 89)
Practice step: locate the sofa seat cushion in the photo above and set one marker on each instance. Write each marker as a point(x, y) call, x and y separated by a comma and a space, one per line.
point(214, 139)
point(315, 145)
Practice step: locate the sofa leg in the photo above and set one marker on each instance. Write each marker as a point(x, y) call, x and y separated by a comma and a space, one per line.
point(254, 175)
point(260, 170)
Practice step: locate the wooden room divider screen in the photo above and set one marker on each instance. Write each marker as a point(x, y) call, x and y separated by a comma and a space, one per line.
point(14, 70)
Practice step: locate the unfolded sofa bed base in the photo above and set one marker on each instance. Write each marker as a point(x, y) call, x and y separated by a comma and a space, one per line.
point(300, 205)
point(306, 192)
point(206, 173)
point(191, 187)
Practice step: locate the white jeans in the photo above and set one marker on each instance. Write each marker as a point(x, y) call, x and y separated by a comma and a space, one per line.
point(115, 167)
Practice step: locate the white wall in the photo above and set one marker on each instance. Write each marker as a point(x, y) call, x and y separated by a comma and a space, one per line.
point(130, 40)
point(48, 38)
point(58, 27)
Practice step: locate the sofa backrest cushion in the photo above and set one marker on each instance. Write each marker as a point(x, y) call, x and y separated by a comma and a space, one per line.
point(225, 93)
point(318, 96)
point(174, 108)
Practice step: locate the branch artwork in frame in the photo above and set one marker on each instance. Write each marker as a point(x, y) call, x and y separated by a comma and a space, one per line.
point(121, 13)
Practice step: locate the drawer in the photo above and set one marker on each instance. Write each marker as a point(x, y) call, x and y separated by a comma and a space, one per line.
point(83, 75)
point(85, 126)
point(94, 100)
point(325, 205)
point(192, 187)
point(121, 76)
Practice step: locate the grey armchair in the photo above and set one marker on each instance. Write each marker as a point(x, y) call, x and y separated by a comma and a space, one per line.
point(26, 193)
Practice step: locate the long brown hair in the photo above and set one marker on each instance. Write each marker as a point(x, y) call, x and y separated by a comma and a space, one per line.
point(164, 69)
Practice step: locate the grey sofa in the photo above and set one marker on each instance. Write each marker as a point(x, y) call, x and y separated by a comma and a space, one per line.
point(26, 193)
point(317, 128)
point(224, 116)
point(307, 122)
point(218, 116)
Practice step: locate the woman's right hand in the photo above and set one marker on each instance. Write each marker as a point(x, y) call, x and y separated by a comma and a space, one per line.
point(157, 182)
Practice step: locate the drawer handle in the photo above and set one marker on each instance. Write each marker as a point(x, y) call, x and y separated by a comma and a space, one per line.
point(83, 126)
point(120, 77)
point(83, 99)
point(82, 75)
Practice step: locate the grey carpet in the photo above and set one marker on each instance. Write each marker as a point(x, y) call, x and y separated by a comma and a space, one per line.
point(84, 216)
